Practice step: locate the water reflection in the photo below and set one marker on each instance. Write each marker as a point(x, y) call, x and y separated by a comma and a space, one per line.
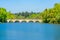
point(29, 31)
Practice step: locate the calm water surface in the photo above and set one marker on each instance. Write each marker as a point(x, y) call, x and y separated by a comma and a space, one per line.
point(29, 31)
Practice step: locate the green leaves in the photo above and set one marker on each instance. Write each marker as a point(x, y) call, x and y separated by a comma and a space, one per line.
point(4, 15)
point(52, 15)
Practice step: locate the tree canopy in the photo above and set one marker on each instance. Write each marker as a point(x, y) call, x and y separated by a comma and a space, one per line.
point(52, 15)
point(4, 15)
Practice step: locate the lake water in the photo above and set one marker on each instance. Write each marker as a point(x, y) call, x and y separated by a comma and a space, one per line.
point(29, 31)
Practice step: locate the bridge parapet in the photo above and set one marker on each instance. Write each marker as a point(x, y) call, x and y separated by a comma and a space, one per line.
point(27, 20)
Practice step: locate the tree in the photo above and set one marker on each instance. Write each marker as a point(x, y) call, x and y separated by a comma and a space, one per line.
point(3, 15)
point(51, 15)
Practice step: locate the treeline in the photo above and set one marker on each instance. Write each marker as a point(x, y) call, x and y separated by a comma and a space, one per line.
point(51, 15)
point(26, 15)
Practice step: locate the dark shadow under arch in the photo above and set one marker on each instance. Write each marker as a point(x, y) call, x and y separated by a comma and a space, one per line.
point(23, 22)
point(10, 21)
point(36, 21)
point(30, 21)
point(16, 21)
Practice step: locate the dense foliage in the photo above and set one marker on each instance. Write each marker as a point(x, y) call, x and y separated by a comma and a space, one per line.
point(26, 15)
point(4, 15)
point(51, 15)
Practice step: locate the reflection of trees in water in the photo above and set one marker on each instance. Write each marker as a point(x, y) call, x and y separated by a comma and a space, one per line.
point(57, 33)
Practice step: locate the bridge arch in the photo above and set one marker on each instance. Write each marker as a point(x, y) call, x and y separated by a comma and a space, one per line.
point(23, 21)
point(17, 21)
point(36, 21)
point(10, 21)
point(31, 21)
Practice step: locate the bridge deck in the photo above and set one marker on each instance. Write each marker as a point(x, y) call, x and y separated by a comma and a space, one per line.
point(27, 20)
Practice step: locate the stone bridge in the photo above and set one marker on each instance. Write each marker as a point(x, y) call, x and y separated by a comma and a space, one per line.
point(24, 20)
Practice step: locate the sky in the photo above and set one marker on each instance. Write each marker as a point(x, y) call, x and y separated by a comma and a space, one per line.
point(27, 5)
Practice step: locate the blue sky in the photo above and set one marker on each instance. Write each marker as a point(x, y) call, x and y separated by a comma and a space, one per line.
point(27, 5)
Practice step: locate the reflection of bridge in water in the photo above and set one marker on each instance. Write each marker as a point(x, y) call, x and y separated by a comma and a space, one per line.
point(24, 20)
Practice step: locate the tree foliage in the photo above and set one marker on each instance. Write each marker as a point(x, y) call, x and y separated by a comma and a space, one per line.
point(52, 15)
point(4, 15)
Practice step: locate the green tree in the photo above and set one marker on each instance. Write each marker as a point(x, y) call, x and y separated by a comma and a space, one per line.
point(3, 15)
point(51, 15)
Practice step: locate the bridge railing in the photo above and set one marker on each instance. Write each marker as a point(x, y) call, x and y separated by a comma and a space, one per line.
point(27, 20)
